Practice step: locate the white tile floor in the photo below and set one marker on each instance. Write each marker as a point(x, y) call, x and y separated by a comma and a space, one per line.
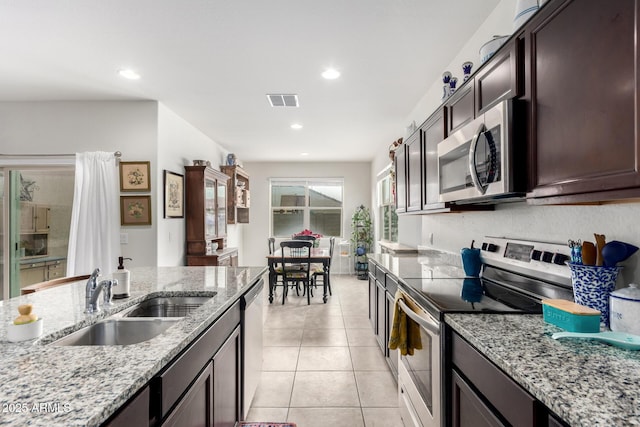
point(322, 365)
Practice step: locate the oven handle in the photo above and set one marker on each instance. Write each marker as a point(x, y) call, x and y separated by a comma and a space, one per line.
point(430, 325)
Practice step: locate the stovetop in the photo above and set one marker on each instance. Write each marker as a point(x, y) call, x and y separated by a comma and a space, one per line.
point(516, 276)
point(468, 295)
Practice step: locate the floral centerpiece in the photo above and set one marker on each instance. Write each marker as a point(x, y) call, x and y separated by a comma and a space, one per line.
point(306, 232)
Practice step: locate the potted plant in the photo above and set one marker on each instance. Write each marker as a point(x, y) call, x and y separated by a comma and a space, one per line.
point(361, 239)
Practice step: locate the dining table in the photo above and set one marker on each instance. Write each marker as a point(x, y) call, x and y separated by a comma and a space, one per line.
point(318, 255)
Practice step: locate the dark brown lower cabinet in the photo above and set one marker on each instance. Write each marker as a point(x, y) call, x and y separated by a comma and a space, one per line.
point(468, 407)
point(483, 395)
point(200, 387)
point(133, 413)
point(226, 382)
point(195, 408)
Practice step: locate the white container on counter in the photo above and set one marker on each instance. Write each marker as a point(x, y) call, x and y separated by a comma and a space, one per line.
point(624, 306)
point(27, 331)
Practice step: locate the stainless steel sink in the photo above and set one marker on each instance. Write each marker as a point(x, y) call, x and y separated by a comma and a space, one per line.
point(166, 307)
point(117, 332)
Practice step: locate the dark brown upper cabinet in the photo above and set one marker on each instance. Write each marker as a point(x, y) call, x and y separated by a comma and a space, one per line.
point(582, 94)
point(413, 152)
point(498, 79)
point(460, 107)
point(432, 132)
point(400, 163)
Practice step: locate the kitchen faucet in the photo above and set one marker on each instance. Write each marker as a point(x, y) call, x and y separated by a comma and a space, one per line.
point(92, 292)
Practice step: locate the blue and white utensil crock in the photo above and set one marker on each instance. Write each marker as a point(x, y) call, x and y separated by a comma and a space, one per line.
point(592, 286)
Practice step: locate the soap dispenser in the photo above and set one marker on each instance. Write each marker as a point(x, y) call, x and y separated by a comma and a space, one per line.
point(123, 277)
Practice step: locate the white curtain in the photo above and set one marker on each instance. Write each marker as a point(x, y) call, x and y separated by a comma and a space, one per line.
point(94, 238)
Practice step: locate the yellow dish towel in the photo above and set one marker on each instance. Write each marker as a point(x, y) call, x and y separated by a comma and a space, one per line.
point(405, 333)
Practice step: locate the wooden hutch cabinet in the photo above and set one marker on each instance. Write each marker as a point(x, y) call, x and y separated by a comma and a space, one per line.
point(238, 196)
point(206, 217)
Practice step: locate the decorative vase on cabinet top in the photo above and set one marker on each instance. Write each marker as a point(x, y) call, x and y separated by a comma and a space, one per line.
point(524, 10)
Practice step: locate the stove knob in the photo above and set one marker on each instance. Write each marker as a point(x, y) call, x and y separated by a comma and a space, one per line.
point(491, 247)
point(484, 246)
point(560, 259)
point(536, 255)
point(547, 256)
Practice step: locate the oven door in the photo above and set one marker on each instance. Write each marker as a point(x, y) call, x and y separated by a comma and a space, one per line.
point(456, 181)
point(419, 384)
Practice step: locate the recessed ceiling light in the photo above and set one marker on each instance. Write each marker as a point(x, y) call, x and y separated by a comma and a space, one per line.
point(304, 154)
point(296, 126)
point(331, 74)
point(128, 73)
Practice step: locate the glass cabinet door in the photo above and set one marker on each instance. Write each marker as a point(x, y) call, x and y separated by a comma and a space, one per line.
point(209, 208)
point(222, 209)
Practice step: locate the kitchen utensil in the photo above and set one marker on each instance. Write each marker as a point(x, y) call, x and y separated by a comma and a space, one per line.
point(615, 252)
point(625, 309)
point(576, 251)
point(592, 286)
point(600, 242)
point(619, 339)
point(588, 253)
point(471, 262)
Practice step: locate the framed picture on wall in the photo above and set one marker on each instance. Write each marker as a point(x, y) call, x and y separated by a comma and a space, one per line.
point(173, 195)
point(135, 176)
point(135, 210)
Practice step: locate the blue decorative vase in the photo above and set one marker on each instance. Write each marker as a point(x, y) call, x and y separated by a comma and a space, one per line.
point(452, 85)
point(466, 70)
point(446, 77)
point(231, 159)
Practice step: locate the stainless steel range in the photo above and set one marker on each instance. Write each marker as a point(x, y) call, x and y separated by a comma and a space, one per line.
point(516, 276)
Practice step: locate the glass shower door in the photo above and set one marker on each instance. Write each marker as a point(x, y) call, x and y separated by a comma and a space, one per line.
point(37, 228)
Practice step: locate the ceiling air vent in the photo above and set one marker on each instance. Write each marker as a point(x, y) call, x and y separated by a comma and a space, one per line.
point(283, 100)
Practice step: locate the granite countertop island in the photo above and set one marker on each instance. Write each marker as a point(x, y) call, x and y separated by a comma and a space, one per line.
point(586, 383)
point(47, 385)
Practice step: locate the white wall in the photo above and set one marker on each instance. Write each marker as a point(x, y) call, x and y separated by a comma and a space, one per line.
point(179, 143)
point(142, 131)
point(357, 191)
point(499, 22)
point(78, 126)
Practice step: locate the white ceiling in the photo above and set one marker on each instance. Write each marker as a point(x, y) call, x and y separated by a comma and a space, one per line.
point(212, 62)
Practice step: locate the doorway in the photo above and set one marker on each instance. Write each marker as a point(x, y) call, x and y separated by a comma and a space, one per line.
point(35, 215)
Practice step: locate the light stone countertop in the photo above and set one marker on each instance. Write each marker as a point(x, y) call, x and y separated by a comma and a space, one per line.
point(45, 385)
point(584, 382)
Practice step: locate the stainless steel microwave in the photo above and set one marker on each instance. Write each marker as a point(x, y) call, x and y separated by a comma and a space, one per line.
point(478, 162)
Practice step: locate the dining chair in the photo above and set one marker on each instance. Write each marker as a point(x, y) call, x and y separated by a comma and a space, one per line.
point(299, 271)
point(318, 269)
point(305, 237)
point(271, 241)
